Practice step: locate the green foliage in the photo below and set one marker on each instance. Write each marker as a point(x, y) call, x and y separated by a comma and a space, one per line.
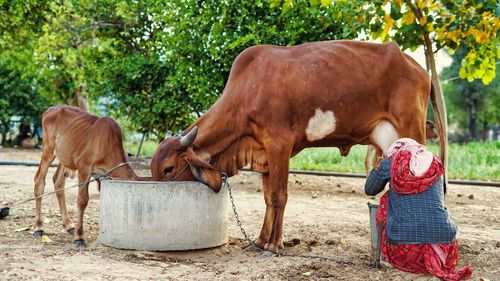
point(169, 78)
point(472, 105)
point(17, 94)
point(147, 150)
point(19, 25)
point(473, 25)
point(157, 64)
point(329, 159)
point(20, 21)
point(471, 161)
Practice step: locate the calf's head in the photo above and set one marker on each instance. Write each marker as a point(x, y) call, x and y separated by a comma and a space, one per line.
point(175, 159)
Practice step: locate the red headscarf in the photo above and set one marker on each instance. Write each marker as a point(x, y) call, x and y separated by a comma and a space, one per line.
point(413, 168)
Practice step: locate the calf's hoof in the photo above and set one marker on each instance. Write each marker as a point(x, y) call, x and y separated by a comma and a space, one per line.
point(71, 231)
point(80, 243)
point(38, 233)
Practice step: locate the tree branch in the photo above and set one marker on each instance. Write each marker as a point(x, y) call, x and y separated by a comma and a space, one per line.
point(414, 9)
point(95, 25)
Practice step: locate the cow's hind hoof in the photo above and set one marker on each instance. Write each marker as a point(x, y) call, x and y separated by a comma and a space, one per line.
point(80, 243)
point(265, 255)
point(71, 231)
point(38, 233)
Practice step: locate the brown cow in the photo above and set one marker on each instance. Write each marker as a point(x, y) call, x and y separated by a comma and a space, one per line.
point(81, 142)
point(373, 155)
point(280, 100)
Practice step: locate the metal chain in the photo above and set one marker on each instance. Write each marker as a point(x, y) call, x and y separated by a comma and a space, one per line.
point(97, 177)
point(236, 216)
point(250, 241)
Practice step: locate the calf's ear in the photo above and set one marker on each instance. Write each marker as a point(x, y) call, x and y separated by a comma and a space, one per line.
point(205, 172)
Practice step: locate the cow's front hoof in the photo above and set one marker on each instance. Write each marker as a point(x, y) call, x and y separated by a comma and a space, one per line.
point(80, 243)
point(253, 248)
point(271, 247)
point(260, 243)
point(265, 255)
point(38, 233)
point(71, 231)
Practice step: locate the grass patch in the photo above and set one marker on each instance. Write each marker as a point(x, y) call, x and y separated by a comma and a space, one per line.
point(147, 150)
point(471, 161)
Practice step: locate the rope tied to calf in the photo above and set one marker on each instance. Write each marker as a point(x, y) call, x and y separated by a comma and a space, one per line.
point(4, 211)
point(251, 242)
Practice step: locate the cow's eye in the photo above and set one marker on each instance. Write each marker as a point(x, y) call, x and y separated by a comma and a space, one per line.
point(168, 170)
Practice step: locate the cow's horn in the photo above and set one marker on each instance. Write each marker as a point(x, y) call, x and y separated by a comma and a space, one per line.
point(188, 139)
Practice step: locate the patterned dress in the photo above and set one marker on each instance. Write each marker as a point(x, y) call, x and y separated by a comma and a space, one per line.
point(418, 234)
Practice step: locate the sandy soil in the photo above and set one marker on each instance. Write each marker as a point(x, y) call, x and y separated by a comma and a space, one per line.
point(325, 216)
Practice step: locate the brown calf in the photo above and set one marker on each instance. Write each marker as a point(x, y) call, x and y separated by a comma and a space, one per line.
point(81, 142)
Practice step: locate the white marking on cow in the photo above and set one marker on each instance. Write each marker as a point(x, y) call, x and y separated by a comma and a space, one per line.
point(384, 135)
point(320, 125)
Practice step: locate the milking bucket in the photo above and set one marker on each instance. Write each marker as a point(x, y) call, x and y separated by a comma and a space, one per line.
point(373, 227)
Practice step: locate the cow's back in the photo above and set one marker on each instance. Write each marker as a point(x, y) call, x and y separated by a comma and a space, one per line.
point(360, 83)
point(303, 71)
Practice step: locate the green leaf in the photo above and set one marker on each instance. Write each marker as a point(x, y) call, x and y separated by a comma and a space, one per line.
point(325, 3)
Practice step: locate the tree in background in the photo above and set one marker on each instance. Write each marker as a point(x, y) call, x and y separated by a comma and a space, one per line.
point(20, 23)
point(173, 59)
point(17, 96)
point(158, 65)
point(429, 23)
point(472, 105)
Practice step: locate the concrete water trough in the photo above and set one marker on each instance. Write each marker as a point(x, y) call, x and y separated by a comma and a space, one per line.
point(162, 216)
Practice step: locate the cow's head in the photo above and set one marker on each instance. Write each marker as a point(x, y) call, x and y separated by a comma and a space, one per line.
point(175, 159)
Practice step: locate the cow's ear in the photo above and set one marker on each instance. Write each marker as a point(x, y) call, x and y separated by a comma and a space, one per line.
point(204, 172)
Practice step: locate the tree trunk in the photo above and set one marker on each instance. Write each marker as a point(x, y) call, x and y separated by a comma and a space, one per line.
point(473, 120)
point(80, 99)
point(486, 128)
point(5, 129)
point(431, 63)
point(79, 96)
point(430, 60)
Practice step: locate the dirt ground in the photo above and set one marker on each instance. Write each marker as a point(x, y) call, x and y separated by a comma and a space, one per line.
point(325, 216)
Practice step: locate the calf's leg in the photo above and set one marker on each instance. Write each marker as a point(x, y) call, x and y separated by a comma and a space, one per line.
point(59, 181)
point(41, 174)
point(82, 201)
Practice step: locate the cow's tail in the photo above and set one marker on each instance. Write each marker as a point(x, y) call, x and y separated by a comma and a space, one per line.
point(439, 111)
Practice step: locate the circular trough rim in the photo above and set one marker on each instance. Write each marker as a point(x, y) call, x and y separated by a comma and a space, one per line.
point(216, 241)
